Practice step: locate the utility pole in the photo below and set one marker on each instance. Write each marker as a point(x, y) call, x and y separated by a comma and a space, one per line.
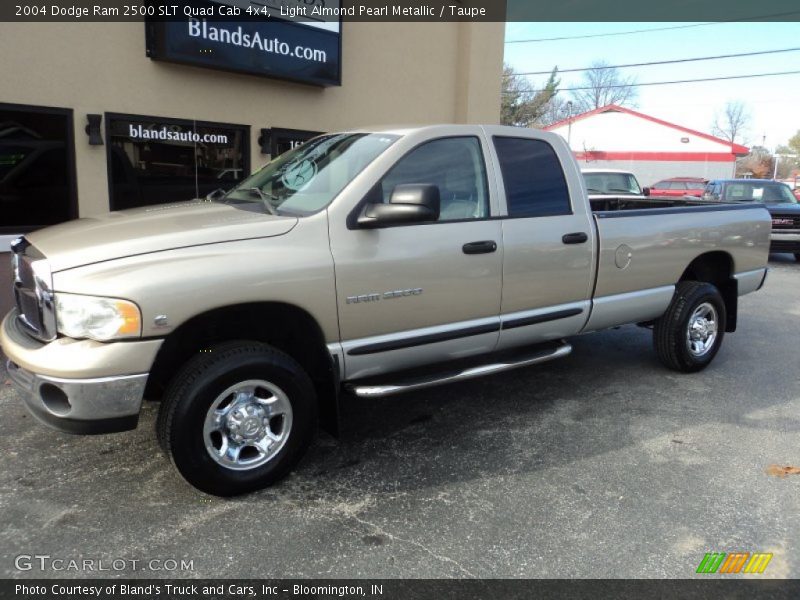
point(569, 124)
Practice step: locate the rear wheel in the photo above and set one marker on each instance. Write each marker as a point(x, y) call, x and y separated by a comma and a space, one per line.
point(797, 256)
point(688, 335)
point(237, 418)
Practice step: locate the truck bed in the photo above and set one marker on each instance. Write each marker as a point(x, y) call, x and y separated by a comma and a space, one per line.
point(618, 203)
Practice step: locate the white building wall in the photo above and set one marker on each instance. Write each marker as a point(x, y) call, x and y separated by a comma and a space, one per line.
point(649, 172)
point(622, 132)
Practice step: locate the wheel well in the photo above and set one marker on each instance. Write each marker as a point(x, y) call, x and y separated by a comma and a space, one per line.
point(284, 326)
point(717, 268)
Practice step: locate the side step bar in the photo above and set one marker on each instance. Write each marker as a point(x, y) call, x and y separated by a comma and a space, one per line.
point(416, 383)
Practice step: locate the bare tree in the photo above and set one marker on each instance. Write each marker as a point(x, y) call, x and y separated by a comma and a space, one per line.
point(521, 103)
point(732, 124)
point(604, 85)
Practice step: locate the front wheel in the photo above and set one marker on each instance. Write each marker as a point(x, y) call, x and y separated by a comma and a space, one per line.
point(237, 418)
point(688, 335)
point(797, 256)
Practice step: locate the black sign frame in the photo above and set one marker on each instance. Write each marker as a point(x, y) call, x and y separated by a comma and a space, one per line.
point(157, 38)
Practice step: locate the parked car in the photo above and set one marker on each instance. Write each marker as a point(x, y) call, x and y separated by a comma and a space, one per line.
point(376, 261)
point(611, 182)
point(679, 187)
point(779, 200)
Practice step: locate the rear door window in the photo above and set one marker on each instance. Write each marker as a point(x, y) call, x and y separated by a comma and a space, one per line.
point(534, 181)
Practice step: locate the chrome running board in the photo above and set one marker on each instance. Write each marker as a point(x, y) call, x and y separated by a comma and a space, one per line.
point(419, 382)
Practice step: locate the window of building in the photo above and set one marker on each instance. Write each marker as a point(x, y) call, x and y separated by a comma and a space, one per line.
point(37, 167)
point(534, 181)
point(283, 140)
point(456, 166)
point(154, 160)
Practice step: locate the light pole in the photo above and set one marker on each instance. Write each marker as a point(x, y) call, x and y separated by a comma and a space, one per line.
point(569, 123)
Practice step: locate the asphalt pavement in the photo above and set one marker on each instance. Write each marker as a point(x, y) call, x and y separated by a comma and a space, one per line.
point(602, 464)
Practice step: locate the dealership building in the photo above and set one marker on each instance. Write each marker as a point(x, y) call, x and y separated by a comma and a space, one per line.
point(105, 116)
point(615, 137)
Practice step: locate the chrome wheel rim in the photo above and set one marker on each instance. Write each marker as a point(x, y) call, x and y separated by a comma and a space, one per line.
point(701, 332)
point(247, 425)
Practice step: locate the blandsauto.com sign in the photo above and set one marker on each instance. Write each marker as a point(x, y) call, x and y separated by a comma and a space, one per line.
point(304, 50)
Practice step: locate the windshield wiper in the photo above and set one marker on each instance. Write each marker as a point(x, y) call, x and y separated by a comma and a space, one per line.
point(216, 195)
point(264, 199)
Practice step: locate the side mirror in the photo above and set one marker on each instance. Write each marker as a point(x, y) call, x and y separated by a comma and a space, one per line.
point(410, 203)
point(645, 191)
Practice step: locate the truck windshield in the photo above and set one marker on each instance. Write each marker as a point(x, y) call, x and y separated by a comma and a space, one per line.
point(757, 191)
point(307, 178)
point(612, 183)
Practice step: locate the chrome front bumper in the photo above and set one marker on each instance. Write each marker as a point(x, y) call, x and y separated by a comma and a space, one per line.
point(86, 406)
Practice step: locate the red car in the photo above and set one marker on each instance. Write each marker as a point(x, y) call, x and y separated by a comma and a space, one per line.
point(679, 186)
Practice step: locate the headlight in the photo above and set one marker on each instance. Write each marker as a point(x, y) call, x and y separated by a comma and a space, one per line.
point(98, 318)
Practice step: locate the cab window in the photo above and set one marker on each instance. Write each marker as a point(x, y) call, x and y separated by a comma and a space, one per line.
point(453, 164)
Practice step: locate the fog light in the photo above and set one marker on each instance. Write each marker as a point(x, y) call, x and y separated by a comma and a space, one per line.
point(54, 399)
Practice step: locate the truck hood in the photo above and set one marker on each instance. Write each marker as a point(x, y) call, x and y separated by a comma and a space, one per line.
point(153, 229)
point(784, 208)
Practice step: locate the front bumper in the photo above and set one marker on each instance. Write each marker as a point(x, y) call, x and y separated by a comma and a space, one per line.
point(784, 242)
point(79, 386)
point(85, 406)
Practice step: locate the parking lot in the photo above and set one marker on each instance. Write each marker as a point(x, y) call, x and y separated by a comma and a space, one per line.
point(603, 464)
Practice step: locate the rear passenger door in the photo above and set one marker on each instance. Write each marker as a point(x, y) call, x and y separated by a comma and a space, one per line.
point(548, 264)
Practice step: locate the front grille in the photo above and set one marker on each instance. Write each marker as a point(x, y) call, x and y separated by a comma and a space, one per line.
point(785, 221)
point(32, 291)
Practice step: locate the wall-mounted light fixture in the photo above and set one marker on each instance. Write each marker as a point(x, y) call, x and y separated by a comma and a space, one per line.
point(93, 130)
point(265, 141)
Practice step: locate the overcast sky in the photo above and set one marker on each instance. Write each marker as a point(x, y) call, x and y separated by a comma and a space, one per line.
point(773, 102)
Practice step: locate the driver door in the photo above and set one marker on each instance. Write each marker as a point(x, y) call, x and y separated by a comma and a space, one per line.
point(414, 294)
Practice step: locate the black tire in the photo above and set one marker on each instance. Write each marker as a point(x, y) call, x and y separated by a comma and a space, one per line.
point(671, 329)
point(797, 256)
point(201, 382)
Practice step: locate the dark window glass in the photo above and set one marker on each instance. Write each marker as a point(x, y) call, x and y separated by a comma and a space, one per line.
point(661, 185)
point(154, 161)
point(453, 164)
point(695, 185)
point(36, 174)
point(534, 181)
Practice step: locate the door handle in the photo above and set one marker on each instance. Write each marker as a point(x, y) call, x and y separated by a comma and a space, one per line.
point(574, 238)
point(479, 247)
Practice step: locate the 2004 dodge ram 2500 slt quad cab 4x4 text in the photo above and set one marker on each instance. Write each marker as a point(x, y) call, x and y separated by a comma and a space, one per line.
point(376, 261)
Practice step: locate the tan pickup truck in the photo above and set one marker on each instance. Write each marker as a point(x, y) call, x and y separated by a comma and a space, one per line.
point(376, 261)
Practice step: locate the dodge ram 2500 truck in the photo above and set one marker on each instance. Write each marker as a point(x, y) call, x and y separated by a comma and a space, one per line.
point(376, 261)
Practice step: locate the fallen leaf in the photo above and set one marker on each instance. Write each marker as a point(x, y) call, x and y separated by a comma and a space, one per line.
point(779, 471)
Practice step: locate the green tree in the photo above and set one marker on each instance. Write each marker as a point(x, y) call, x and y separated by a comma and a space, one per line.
point(524, 105)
